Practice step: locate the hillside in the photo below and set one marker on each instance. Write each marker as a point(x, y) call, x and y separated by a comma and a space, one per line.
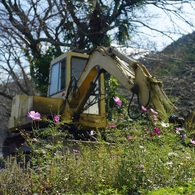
point(175, 66)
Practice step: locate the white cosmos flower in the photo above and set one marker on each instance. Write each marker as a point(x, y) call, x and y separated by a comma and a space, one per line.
point(163, 124)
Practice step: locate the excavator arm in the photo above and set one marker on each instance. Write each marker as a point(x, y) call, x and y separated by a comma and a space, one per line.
point(131, 74)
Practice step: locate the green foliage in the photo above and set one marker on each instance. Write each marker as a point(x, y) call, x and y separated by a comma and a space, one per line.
point(113, 110)
point(133, 161)
point(122, 34)
point(40, 69)
point(112, 86)
point(188, 189)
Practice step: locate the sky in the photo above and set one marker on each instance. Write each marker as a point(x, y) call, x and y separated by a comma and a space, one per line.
point(156, 41)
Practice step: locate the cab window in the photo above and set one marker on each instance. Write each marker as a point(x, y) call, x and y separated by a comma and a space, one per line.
point(77, 66)
point(57, 77)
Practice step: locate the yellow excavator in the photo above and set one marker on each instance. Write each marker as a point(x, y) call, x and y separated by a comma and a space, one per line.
point(76, 91)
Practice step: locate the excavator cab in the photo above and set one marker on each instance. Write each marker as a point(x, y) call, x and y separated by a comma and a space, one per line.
point(82, 104)
point(63, 70)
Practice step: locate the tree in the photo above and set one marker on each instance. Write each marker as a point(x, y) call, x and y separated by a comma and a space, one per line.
point(12, 69)
point(42, 29)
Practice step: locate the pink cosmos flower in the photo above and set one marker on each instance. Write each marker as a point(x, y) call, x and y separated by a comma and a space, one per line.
point(155, 118)
point(188, 157)
point(130, 137)
point(153, 111)
point(56, 118)
point(34, 115)
point(185, 136)
point(141, 166)
point(192, 142)
point(117, 101)
point(157, 130)
point(179, 129)
point(144, 108)
point(112, 126)
point(75, 151)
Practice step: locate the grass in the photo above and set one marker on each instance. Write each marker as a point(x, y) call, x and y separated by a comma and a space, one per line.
point(137, 161)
